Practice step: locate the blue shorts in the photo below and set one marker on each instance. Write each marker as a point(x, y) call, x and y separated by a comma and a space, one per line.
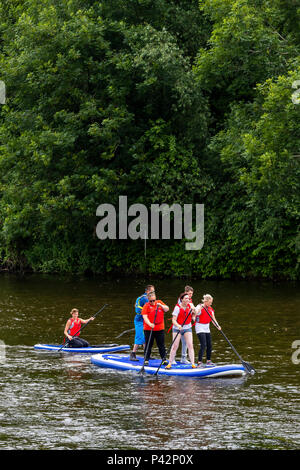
point(139, 330)
point(188, 330)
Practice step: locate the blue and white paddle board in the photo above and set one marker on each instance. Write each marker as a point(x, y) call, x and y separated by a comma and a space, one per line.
point(123, 362)
point(101, 348)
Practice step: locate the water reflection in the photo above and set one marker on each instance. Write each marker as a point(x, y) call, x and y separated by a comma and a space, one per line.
point(74, 365)
point(188, 405)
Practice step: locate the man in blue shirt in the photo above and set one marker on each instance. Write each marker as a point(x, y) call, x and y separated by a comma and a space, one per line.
point(139, 339)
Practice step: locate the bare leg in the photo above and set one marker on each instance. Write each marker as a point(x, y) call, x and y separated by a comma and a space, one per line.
point(136, 347)
point(174, 347)
point(189, 342)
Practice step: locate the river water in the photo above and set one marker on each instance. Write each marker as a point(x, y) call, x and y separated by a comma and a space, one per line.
point(62, 401)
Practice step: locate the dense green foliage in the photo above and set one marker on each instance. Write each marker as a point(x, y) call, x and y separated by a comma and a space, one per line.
point(165, 101)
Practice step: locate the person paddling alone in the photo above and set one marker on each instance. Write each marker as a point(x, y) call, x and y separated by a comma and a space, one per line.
point(154, 326)
point(204, 315)
point(72, 328)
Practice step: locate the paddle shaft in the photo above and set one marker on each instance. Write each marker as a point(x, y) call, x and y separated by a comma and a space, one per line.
point(83, 326)
point(148, 342)
point(233, 348)
point(123, 332)
point(172, 343)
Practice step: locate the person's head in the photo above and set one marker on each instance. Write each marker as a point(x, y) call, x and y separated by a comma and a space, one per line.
point(151, 297)
point(184, 298)
point(74, 312)
point(207, 300)
point(149, 289)
point(189, 290)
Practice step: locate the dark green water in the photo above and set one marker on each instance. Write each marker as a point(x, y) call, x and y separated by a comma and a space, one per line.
point(62, 401)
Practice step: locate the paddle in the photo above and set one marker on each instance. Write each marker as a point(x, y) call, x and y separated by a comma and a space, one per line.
point(83, 326)
point(246, 365)
point(148, 342)
point(156, 372)
point(126, 331)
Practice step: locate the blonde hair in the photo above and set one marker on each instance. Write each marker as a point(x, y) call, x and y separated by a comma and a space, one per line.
point(74, 310)
point(206, 297)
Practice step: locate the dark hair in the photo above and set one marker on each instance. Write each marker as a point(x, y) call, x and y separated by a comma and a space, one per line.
point(183, 295)
point(188, 288)
point(148, 287)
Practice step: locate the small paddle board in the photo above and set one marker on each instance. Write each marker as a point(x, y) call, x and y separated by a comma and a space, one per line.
point(123, 362)
point(101, 348)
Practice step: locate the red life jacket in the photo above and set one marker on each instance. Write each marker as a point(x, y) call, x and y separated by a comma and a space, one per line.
point(182, 315)
point(203, 317)
point(150, 310)
point(74, 327)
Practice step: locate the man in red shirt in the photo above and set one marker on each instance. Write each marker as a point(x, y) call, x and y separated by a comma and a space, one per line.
point(154, 325)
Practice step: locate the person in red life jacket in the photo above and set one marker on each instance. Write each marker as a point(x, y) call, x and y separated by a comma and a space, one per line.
point(183, 314)
point(155, 324)
point(190, 291)
point(202, 328)
point(139, 339)
point(72, 328)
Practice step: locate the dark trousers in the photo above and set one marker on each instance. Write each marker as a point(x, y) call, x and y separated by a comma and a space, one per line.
point(78, 343)
point(205, 343)
point(159, 337)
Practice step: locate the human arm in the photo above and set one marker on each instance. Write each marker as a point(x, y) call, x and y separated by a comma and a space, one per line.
point(174, 318)
point(146, 320)
point(145, 316)
point(216, 324)
point(193, 309)
point(163, 306)
point(86, 321)
point(66, 330)
point(198, 309)
point(175, 323)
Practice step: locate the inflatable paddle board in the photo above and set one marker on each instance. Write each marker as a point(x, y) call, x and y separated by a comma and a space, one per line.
point(122, 362)
point(101, 348)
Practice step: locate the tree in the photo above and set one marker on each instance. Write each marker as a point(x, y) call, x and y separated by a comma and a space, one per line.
point(91, 99)
point(244, 49)
point(259, 151)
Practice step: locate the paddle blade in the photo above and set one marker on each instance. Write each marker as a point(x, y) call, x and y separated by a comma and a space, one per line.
point(249, 369)
point(119, 336)
point(123, 332)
